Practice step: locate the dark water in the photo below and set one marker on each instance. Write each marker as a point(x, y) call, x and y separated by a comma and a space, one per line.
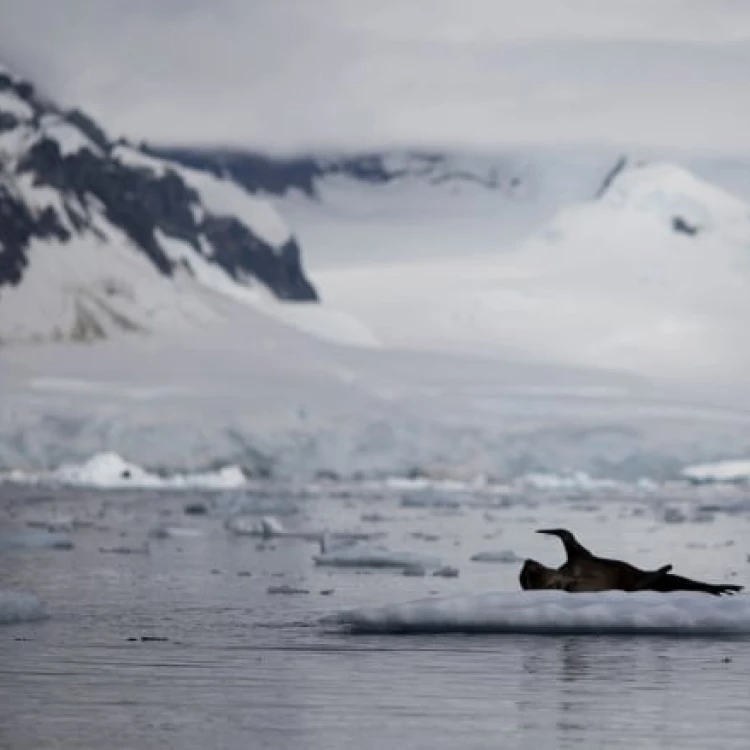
point(242, 668)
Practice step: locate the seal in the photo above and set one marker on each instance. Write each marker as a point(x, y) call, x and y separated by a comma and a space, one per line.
point(534, 575)
point(583, 571)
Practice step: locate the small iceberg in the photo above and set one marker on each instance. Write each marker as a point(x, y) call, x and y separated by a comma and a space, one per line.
point(557, 612)
point(20, 606)
point(111, 471)
point(174, 532)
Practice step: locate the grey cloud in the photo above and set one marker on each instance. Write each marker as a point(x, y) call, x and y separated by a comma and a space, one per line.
point(290, 74)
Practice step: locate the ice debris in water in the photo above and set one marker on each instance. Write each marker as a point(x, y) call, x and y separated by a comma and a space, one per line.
point(645, 612)
point(286, 589)
point(506, 556)
point(266, 527)
point(110, 470)
point(20, 606)
point(174, 532)
point(10, 540)
point(367, 556)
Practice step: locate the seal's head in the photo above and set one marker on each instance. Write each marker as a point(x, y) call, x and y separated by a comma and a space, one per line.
point(534, 575)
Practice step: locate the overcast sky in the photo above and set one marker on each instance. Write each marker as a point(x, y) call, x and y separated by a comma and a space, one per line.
point(293, 74)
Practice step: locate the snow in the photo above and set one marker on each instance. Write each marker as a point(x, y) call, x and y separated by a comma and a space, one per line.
point(224, 197)
point(318, 320)
point(20, 606)
point(720, 471)
point(69, 138)
point(604, 283)
point(556, 612)
point(109, 470)
point(14, 105)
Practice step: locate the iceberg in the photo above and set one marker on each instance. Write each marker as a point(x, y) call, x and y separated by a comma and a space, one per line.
point(556, 612)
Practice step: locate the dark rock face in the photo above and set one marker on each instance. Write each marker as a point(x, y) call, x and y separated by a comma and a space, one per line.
point(136, 199)
point(682, 226)
point(266, 174)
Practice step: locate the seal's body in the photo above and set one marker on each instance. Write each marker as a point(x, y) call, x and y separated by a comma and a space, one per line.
point(583, 571)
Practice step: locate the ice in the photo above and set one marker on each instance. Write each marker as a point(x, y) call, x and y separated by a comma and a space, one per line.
point(506, 556)
point(720, 471)
point(646, 613)
point(574, 480)
point(604, 282)
point(362, 556)
point(175, 532)
point(266, 527)
point(11, 540)
point(20, 606)
point(110, 470)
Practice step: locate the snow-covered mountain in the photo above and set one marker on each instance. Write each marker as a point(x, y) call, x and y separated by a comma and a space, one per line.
point(651, 276)
point(98, 237)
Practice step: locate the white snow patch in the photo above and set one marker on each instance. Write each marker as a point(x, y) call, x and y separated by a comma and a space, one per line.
point(224, 197)
point(558, 612)
point(14, 105)
point(69, 138)
point(20, 606)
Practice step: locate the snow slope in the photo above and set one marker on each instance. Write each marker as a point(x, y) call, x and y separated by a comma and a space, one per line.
point(651, 277)
point(100, 239)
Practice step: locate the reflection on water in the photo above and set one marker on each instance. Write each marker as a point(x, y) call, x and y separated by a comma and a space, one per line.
point(244, 669)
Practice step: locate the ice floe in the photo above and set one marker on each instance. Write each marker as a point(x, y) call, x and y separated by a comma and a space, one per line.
point(20, 606)
point(645, 612)
point(22, 539)
point(369, 556)
point(111, 471)
point(506, 556)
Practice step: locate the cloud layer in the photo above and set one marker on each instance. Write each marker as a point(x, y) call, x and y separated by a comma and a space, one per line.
point(293, 74)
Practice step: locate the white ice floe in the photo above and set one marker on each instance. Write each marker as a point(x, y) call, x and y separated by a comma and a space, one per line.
point(266, 527)
point(33, 539)
point(20, 606)
point(507, 556)
point(721, 471)
point(574, 480)
point(111, 471)
point(366, 556)
point(645, 612)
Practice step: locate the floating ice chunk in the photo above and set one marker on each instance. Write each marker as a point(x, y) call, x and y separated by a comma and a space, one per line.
point(507, 556)
point(645, 612)
point(674, 515)
point(10, 540)
point(446, 572)
point(20, 606)
point(266, 527)
point(174, 532)
point(362, 556)
point(428, 500)
point(286, 589)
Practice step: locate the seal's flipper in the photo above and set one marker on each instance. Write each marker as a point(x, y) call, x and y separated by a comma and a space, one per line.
point(573, 548)
point(670, 582)
point(651, 577)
